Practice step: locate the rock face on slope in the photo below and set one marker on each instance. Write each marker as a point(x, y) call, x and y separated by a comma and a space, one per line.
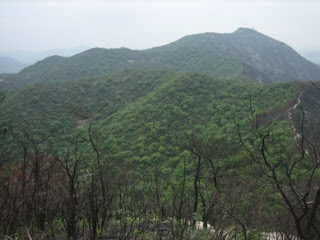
point(243, 54)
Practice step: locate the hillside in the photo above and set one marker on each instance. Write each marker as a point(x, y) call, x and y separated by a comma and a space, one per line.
point(97, 62)
point(208, 137)
point(137, 105)
point(244, 54)
point(136, 148)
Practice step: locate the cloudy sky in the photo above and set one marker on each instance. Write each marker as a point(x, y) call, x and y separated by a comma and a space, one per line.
point(140, 24)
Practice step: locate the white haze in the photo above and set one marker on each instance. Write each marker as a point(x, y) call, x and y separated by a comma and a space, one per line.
point(140, 24)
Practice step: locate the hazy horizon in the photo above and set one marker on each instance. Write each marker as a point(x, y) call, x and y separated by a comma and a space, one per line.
point(33, 25)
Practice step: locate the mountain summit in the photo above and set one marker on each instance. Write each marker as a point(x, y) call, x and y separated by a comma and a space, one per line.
point(243, 54)
point(275, 60)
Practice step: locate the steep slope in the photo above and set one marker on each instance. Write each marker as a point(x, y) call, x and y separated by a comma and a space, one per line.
point(244, 54)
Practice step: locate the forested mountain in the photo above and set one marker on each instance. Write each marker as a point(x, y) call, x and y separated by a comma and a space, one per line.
point(275, 60)
point(175, 142)
point(167, 100)
point(244, 54)
point(179, 146)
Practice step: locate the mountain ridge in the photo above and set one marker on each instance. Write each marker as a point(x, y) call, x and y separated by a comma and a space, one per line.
point(244, 54)
point(277, 59)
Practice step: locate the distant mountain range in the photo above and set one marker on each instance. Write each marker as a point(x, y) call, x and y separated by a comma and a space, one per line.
point(244, 54)
point(10, 65)
point(15, 61)
point(313, 56)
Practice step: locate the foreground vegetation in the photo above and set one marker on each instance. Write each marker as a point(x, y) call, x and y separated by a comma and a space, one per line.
point(152, 155)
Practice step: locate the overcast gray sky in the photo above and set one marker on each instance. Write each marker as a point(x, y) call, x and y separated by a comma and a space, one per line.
point(140, 24)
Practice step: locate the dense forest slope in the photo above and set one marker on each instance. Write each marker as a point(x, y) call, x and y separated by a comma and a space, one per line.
point(145, 154)
point(210, 130)
point(244, 54)
point(142, 107)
